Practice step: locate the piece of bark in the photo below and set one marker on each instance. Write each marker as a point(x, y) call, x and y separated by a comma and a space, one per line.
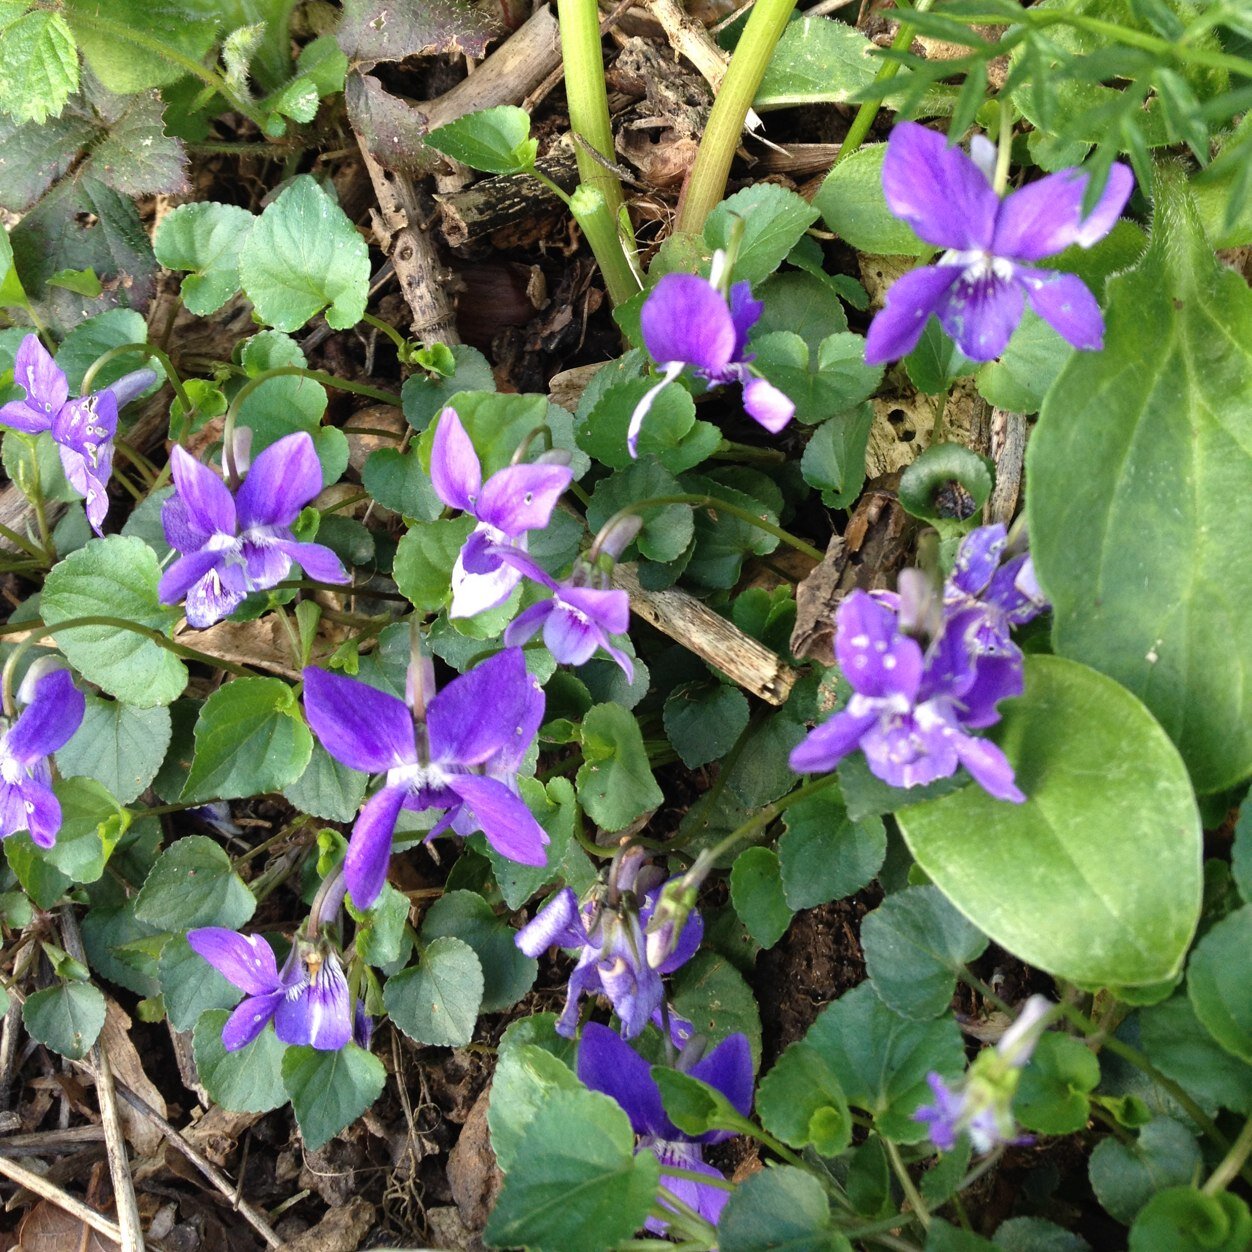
point(1008, 450)
point(496, 203)
point(513, 70)
point(341, 1230)
point(867, 555)
point(474, 1178)
point(116, 1044)
point(710, 636)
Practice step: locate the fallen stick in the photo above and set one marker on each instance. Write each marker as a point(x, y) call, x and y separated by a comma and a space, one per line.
point(129, 1224)
point(62, 1199)
point(710, 636)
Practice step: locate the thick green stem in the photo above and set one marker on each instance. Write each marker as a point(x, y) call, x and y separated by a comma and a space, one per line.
point(587, 97)
point(590, 211)
point(721, 137)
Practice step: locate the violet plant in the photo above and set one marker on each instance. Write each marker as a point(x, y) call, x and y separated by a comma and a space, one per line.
point(645, 812)
point(987, 274)
point(82, 428)
point(53, 712)
point(512, 502)
point(456, 750)
point(237, 542)
point(688, 321)
point(606, 1063)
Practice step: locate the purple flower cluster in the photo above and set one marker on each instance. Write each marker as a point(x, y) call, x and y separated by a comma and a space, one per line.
point(510, 504)
point(583, 611)
point(607, 1064)
point(981, 284)
point(691, 321)
point(458, 750)
point(54, 711)
point(82, 428)
point(307, 1000)
point(233, 544)
point(912, 708)
point(613, 959)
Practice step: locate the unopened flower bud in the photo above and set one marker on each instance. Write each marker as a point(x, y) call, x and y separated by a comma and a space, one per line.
point(132, 385)
point(668, 919)
point(615, 538)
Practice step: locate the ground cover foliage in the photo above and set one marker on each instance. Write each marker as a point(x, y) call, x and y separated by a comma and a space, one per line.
point(644, 645)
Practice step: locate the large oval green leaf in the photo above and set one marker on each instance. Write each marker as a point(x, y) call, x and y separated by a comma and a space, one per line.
point(1139, 504)
point(1097, 877)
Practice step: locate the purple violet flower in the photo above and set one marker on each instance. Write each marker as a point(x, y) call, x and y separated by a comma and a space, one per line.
point(83, 429)
point(910, 709)
point(307, 1001)
point(607, 1064)
point(613, 961)
point(988, 598)
point(461, 755)
point(513, 501)
point(577, 620)
point(689, 320)
point(235, 544)
point(981, 283)
point(980, 1105)
point(54, 711)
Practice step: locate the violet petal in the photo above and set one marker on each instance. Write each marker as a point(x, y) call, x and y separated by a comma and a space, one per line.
point(938, 189)
point(245, 960)
point(1066, 304)
point(911, 300)
point(685, 318)
point(608, 1064)
point(479, 712)
point(1045, 217)
point(369, 849)
point(455, 470)
point(49, 721)
point(209, 506)
point(280, 482)
point(249, 1019)
point(503, 817)
point(360, 726)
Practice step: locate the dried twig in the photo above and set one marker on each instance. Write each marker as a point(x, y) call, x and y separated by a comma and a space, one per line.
point(203, 1164)
point(710, 636)
point(62, 1199)
point(129, 1224)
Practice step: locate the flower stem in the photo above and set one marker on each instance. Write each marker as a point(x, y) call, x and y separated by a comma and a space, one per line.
point(1231, 1164)
point(39, 629)
point(868, 111)
point(911, 1193)
point(145, 349)
point(721, 137)
point(710, 856)
point(390, 331)
point(717, 505)
point(591, 212)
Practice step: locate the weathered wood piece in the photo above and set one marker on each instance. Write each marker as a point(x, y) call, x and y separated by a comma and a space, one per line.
point(710, 636)
point(495, 203)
